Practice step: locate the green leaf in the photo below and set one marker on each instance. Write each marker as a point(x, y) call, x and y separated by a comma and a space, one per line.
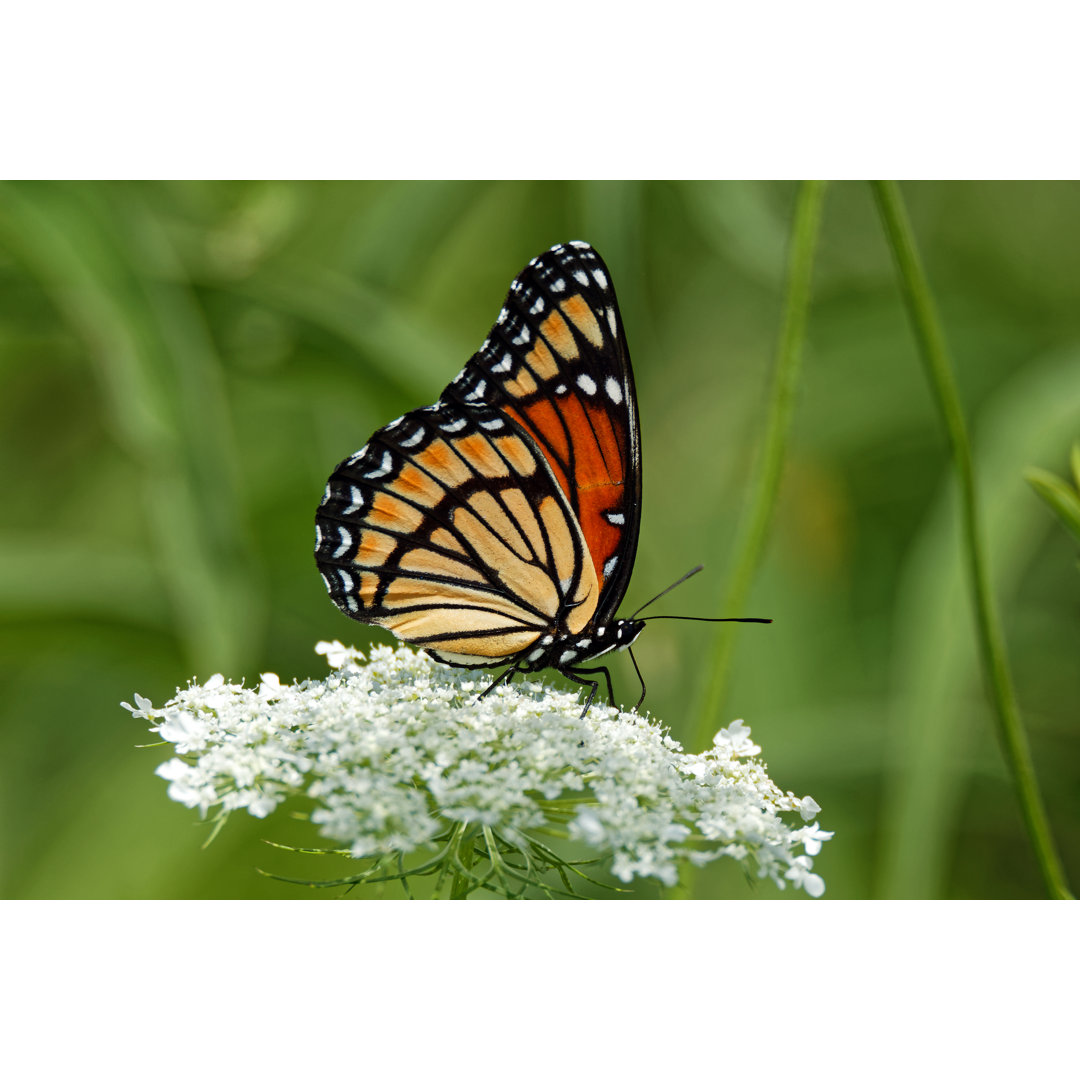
point(1063, 500)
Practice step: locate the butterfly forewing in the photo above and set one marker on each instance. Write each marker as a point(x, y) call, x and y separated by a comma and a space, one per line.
point(449, 529)
point(556, 363)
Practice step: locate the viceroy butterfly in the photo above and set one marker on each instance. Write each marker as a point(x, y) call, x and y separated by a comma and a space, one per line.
point(499, 525)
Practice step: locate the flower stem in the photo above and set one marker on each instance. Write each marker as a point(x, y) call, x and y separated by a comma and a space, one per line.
point(931, 341)
point(755, 524)
point(463, 846)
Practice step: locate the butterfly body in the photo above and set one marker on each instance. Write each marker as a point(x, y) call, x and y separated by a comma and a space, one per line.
point(563, 651)
point(499, 525)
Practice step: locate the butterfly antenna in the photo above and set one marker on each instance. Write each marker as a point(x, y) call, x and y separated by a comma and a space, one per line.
point(700, 618)
point(689, 574)
point(691, 618)
point(633, 660)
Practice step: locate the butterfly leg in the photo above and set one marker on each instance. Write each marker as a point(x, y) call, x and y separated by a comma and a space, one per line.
point(607, 678)
point(640, 680)
point(582, 682)
point(506, 676)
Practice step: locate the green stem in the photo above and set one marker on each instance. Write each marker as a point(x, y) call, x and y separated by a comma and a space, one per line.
point(755, 524)
point(935, 357)
point(462, 885)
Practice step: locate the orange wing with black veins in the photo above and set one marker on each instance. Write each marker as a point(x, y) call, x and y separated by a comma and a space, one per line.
point(557, 364)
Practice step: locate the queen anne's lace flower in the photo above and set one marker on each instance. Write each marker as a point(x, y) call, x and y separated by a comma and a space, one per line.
point(394, 748)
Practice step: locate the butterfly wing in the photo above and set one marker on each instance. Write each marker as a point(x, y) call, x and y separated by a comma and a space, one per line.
point(556, 362)
point(449, 529)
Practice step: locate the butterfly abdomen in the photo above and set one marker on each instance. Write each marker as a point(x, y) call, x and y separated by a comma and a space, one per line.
point(567, 650)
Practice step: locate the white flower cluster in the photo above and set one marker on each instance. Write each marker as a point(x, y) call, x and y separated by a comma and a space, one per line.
point(393, 748)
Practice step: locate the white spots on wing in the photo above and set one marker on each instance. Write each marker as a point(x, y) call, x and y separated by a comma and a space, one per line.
point(492, 425)
point(587, 384)
point(566, 657)
point(564, 586)
point(547, 639)
point(457, 378)
point(614, 390)
point(503, 365)
point(523, 337)
point(584, 643)
point(477, 392)
point(346, 578)
point(351, 603)
point(413, 439)
point(579, 244)
point(384, 468)
point(326, 582)
point(581, 277)
point(318, 536)
point(561, 388)
point(536, 654)
point(558, 286)
point(355, 458)
point(537, 307)
point(611, 322)
point(615, 519)
point(346, 542)
point(326, 495)
point(503, 316)
point(556, 248)
point(357, 497)
point(610, 565)
point(515, 286)
point(600, 631)
point(455, 425)
point(393, 424)
point(601, 278)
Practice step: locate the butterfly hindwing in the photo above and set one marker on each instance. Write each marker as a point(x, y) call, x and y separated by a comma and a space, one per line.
point(556, 363)
point(449, 529)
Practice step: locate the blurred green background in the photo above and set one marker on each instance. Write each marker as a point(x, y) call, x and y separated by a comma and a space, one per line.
point(182, 365)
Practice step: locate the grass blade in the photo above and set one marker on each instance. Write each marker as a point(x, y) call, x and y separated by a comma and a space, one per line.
point(934, 353)
point(755, 525)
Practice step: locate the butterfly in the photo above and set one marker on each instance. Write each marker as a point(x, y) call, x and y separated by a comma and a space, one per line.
point(499, 525)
